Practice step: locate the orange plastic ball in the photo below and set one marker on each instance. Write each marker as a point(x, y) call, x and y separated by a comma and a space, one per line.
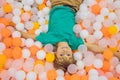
point(41, 6)
point(87, 68)
point(7, 8)
point(3, 59)
point(106, 66)
point(51, 75)
point(105, 32)
point(16, 42)
point(67, 77)
point(107, 54)
point(98, 0)
point(85, 77)
point(33, 50)
point(8, 41)
point(75, 77)
point(113, 78)
point(16, 52)
point(4, 21)
point(8, 52)
point(96, 8)
point(5, 32)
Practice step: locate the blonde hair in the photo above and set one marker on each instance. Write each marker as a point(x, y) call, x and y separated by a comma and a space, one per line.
point(63, 63)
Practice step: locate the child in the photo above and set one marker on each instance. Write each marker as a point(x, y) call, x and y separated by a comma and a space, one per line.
point(60, 32)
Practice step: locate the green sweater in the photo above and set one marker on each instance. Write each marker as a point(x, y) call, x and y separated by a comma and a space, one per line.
point(61, 22)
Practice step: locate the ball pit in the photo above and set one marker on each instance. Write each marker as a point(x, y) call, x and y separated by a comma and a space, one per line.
point(98, 22)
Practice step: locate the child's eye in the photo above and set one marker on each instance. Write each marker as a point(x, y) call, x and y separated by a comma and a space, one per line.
point(68, 54)
point(61, 54)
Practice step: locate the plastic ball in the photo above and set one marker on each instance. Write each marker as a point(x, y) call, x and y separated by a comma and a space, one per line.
point(46, 10)
point(106, 66)
point(9, 16)
point(1, 12)
point(48, 48)
point(97, 26)
point(20, 26)
point(4, 21)
point(17, 52)
point(81, 72)
point(29, 25)
point(60, 72)
point(98, 63)
point(43, 76)
point(12, 71)
point(25, 53)
point(33, 50)
point(104, 11)
point(17, 42)
point(51, 74)
point(4, 75)
point(80, 64)
point(25, 16)
point(86, 23)
point(48, 66)
point(16, 19)
point(3, 59)
point(99, 18)
point(5, 32)
point(84, 34)
point(90, 39)
point(7, 8)
point(41, 54)
point(36, 25)
point(50, 57)
point(16, 34)
point(78, 55)
point(27, 8)
point(93, 72)
point(72, 68)
point(29, 42)
point(103, 42)
point(41, 21)
point(38, 44)
point(39, 68)
point(29, 2)
point(94, 77)
point(109, 74)
point(108, 54)
point(60, 78)
point(82, 48)
point(116, 4)
point(75, 77)
point(16, 11)
point(20, 75)
point(34, 10)
point(39, 1)
point(31, 76)
point(114, 61)
point(48, 3)
point(112, 29)
point(41, 6)
point(98, 34)
point(118, 69)
point(38, 31)
point(112, 16)
point(2, 46)
point(96, 8)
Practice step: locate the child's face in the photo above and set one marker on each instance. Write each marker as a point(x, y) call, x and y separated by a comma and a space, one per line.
point(64, 52)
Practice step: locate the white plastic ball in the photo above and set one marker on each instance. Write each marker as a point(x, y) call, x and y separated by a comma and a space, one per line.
point(2, 46)
point(86, 23)
point(12, 72)
point(20, 26)
point(29, 25)
point(10, 1)
point(16, 34)
point(16, 11)
point(48, 47)
point(83, 15)
point(16, 19)
point(94, 77)
point(25, 53)
point(60, 78)
point(29, 42)
point(41, 54)
point(72, 68)
point(20, 75)
point(77, 28)
point(48, 3)
point(98, 34)
point(41, 21)
point(44, 28)
point(84, 34)
point(43, 76)
point(98, 63)
point(93, 72)
point(46, 10)
point(112, 16)
point(102, 78)
point(97, 26)
point(104, 11)
point(39, 1)
point(38, 44)
point(27, 2)
point(90, 2)
point(31, 76)
point(117, 4)
point(38, 31)
point(34, 10)
point(99, 18)
point(27, 8)
point(60, 72)
point(40, 14)
point(82, 48)
point(83, 7)
point(77, 55)
point(80, 64)
point(118, 68)
point(34, 18)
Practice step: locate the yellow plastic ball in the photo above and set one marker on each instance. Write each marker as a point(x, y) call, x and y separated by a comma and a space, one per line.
point(3, 59)
point(50, 57)
point(39, 62)
point(113, 49)
point(41, 6)
point(36, 25)
point(7, 8)
point(112, 29)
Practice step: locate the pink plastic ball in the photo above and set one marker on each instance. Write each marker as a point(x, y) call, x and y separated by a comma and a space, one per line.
point(72, 68)
point(48, 48)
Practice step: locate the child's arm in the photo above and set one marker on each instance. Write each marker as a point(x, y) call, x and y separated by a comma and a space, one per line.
point(27, 35)
point(94, 48)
